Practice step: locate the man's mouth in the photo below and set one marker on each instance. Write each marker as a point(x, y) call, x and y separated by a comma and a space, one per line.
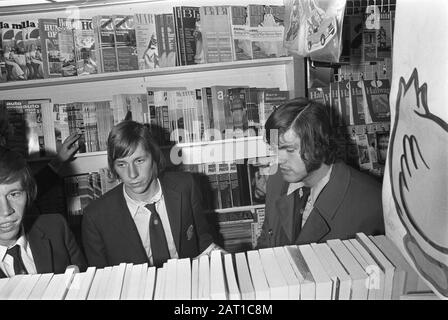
point(7, 226)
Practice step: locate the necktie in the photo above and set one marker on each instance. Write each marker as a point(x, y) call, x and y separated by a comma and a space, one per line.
point(159, 245)
point(19, 267)
point(300, 199)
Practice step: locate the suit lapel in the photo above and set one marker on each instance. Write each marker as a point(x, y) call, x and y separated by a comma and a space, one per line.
point(285, 207)
point(123, 223)
point(173, 204)
point(314, 229)
point(41, 250)
point(2, 274)
point(318, 224)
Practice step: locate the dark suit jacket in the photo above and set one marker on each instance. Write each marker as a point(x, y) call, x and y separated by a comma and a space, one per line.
point(351, 202)
point(52, 244)
point(110, 235)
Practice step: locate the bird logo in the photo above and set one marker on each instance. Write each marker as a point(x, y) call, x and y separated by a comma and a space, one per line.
point(418, 154)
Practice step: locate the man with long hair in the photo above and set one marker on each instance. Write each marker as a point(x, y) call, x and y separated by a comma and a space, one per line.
point(312, 197)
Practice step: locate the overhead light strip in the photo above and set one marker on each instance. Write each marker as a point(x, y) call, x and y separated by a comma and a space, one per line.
point(53, 5)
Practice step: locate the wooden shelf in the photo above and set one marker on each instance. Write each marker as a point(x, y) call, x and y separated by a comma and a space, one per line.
point(51, 82)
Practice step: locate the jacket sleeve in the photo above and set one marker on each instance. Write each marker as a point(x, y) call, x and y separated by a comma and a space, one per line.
point(273, 186)
point(203, 228)
point(93, 244)
point(76, 256)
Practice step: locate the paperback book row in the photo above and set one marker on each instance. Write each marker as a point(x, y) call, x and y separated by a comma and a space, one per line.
point(211, 113)
point(63, 47)
point(239, 229)
point(38, 127)
point(363, 268)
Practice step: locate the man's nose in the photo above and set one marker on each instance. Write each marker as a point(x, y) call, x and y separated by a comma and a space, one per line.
point(281, 156)
point(132, 171)
point(5, 207)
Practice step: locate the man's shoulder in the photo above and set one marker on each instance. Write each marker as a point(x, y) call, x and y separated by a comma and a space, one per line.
point(46, 222)
point(107, 200)
point(176, 178)
point(363, 178)
point(359, 182)
point(176, 175)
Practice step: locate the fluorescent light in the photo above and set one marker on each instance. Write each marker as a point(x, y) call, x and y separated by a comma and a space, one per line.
point(8, 3)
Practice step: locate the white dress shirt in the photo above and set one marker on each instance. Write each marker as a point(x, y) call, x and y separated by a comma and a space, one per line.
point(7, 262)
point(141, 216)
point(314, 193)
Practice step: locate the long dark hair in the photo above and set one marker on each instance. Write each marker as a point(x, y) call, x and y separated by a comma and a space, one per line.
point(310, 121)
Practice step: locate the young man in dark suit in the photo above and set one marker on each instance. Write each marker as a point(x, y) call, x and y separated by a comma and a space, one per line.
point(43, 244)
point(152, 215)
point(312, 197)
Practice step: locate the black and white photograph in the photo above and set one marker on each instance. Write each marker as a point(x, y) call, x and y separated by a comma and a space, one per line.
point(216, 155)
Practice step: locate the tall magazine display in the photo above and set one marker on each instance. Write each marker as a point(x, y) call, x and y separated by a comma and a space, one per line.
point(210, 114)
point(415, 182)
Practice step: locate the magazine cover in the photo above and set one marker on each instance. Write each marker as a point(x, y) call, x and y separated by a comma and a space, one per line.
point(51, 55)
point(266, 31)
point(241, 46)
point(66, 47)
point(85, 47)
point(215, 35)
point(146, 38)
point(376, 100)
point(294, 34)
point(166, 40)
point(33, 50)
point(356, 102)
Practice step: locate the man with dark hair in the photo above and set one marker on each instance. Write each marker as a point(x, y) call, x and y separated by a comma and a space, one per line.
point(152, 215)
point(43, 244)
point(312, 197)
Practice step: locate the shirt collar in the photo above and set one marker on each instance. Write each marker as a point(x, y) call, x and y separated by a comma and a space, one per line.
point(21, 241)
point(134, 205)
point(316, 190)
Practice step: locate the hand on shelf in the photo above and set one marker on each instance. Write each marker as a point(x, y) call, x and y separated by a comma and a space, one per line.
point(66, 152)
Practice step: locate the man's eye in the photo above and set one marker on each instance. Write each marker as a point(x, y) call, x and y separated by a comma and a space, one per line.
point(290, 150)
point(16, 194)
point(140, 161)
point(120, 165)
